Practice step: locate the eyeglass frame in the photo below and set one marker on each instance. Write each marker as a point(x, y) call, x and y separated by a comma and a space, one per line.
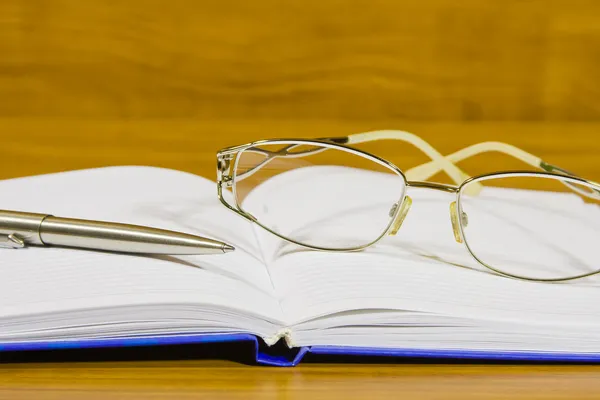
point(226, 177)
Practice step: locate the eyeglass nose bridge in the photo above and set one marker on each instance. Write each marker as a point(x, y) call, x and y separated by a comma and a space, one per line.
point(457, 224)
point(432, 185)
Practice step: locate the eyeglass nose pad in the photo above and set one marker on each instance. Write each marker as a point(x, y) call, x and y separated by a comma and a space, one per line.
point(400, 216)
point(464, 219)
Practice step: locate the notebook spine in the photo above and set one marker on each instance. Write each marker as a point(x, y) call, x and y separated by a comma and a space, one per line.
point(277, 354)
point(281, 355)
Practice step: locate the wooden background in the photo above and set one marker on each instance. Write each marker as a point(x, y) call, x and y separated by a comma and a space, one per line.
point(108, 82)
point(167, 83)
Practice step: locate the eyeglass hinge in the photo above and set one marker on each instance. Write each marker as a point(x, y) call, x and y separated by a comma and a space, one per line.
point(224, 161)
point(227, 181)
point(223, 167)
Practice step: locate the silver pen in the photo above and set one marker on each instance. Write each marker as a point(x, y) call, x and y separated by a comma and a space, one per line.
point(21, 229)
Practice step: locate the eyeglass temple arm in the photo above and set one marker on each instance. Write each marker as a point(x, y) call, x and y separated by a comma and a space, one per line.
point(448, 163)
point(439, 161)
point(429, 169)
point(424, 171)
point(457, 175)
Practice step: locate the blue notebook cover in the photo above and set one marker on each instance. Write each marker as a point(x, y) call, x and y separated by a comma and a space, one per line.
point(294, 356)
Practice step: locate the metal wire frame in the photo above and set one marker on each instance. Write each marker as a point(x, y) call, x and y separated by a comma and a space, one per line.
point(226, 179)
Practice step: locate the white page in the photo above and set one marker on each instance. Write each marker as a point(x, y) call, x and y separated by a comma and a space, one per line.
point(49, 280)
point(421, 269)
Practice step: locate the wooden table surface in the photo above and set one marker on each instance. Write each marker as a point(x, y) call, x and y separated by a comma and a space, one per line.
point(228, 373)
point(204, 379)
point(168, 82)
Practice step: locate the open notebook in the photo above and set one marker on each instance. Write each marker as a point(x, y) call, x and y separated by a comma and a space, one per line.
point(415, 294)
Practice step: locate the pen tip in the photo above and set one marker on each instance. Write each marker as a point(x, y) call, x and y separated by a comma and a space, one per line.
point(227, 248)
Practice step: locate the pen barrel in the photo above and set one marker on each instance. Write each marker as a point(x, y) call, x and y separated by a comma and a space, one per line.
point(23, 224)
point(122, 237)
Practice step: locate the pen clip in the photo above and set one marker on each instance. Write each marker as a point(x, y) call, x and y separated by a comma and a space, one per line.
point(11, 241)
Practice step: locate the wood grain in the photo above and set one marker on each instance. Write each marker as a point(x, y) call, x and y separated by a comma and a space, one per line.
point(37, 146)
point(327, 59)
point(167, 83)
point(215, 379)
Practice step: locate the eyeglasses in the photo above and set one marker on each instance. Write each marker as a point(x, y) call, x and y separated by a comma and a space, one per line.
point(324, 194)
